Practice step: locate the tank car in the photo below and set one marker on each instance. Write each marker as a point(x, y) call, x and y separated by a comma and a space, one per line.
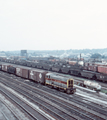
point(92, 85)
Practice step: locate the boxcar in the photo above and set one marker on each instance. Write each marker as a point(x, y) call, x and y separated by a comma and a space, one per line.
point(11, 70)
point(37, 75)
point(5, 66)
point(102, 69)
point(22, 72)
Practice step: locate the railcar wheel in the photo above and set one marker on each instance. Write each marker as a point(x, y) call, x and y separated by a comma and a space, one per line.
point(57, 88)
point(64, 91)
point(68, 91)
point(51, 86)
point(72, 92)
point(103, 81)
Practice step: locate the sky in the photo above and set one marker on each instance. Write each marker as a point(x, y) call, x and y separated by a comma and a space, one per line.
point(53, 24)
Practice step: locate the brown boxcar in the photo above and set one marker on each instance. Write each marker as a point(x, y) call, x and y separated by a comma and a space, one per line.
point(25, 72)
point(4, 67)
point(102, 69)
point(22, 72)
point(19, 71)
point(37, 75)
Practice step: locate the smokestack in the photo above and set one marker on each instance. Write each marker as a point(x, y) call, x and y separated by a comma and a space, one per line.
point(80, 56)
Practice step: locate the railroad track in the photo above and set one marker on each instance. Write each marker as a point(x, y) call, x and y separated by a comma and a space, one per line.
point(75, 98)
point(34, 112)
point(90, 115)
point(59, 112)
point(59, 93)
point(28, 108)
point(14, 112)
point(6, 112)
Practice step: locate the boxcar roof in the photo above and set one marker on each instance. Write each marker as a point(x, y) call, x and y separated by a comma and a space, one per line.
point(37, 70)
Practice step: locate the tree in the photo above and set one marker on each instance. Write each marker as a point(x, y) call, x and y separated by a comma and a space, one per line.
point(96, 55)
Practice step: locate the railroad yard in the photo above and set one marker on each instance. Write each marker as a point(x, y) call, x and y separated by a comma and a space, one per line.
point(53, 60)
point(23, 99)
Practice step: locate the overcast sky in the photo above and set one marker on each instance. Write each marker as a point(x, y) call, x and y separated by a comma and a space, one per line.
point(53, 24)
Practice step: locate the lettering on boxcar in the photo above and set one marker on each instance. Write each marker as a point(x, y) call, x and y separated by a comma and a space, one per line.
point(40, 75)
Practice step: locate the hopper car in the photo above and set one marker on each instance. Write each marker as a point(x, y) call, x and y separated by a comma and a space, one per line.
point(88, 71)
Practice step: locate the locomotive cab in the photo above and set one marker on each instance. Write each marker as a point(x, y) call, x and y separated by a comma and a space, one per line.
point(70, 84)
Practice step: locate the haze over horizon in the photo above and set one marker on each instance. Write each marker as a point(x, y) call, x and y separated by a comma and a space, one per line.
point(52, 24)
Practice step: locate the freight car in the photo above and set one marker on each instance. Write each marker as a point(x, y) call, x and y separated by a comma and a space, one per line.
point(65, 69)
point(56, 68)
point(44, 77)
point(88, 74)
point(47, 67)
point(88, 84)
point(92, 85)
point(88, 71)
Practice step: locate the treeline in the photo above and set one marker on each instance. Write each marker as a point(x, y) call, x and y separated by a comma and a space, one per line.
point(97, 55)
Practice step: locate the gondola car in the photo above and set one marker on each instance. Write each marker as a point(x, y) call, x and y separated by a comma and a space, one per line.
point(65, 69)
point(47, 66)
point(56, 68)
point(88, 74)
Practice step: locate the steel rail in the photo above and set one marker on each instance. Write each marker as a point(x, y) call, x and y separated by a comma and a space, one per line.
point(67, 113)
point(13, 112)
point(95, 107)
point(24, 103)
